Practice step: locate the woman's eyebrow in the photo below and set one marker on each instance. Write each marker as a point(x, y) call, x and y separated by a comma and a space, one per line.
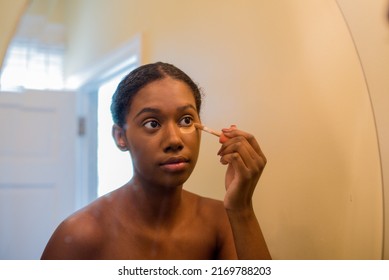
point(185, 107)
point(158, 111)
point(148, 110)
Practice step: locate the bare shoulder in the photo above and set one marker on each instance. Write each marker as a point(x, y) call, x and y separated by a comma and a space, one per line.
point(79, 236)
point(213, 209)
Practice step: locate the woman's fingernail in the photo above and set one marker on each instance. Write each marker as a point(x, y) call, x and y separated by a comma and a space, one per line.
point(231, 128)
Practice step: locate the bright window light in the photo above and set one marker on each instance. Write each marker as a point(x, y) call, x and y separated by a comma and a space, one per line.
point(114, 166)
point(32, 65)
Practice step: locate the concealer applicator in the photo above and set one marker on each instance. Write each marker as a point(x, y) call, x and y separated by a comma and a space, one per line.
point(222, 137)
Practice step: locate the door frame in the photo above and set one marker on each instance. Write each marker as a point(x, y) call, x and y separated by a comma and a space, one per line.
point(87, 83)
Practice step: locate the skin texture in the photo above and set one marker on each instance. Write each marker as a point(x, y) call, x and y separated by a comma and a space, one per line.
point(152, 217)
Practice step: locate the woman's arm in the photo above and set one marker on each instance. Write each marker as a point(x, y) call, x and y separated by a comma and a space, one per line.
point(245, 160)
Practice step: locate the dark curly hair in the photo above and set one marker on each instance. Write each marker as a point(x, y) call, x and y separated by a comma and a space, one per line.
point(142, 76)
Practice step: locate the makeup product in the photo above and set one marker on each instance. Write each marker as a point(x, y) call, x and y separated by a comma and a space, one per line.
point(206, 129)
point(187, 129)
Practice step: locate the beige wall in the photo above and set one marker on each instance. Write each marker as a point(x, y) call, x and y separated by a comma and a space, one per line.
point(10, 13)
point(370, 29)
point(288, 72)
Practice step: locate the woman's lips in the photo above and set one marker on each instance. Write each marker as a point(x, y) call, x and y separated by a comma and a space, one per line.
point(175, 164)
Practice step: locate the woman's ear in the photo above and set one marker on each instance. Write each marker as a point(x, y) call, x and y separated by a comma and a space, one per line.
point(119, 135)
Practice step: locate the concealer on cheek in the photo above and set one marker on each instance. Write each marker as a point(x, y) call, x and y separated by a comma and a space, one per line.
point(187, 129)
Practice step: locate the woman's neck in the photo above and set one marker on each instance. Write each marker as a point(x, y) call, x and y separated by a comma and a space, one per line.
point(155, 205)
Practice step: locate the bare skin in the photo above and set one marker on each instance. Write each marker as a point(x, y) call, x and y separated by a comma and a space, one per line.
point(113, 228)
point(152, 217)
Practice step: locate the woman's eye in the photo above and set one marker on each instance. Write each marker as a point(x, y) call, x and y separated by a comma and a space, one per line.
point(151, 124)
point(186, 121)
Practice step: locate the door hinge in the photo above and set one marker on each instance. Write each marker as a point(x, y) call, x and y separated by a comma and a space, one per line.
point(81, 126)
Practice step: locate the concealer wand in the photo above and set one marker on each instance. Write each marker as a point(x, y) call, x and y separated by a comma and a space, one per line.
point(206, 129)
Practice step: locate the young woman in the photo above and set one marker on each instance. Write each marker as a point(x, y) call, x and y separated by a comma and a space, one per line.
point(155, 109)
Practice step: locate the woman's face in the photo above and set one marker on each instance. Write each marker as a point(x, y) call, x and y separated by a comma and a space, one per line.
point(160, 135)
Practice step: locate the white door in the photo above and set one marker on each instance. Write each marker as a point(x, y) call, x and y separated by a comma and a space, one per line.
point(38, 134)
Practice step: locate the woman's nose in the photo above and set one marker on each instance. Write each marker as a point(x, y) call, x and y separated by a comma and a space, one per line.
point(172, 139)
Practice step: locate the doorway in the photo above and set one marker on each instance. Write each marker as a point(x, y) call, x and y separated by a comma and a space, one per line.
point(102, 165)
point(114, 167)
